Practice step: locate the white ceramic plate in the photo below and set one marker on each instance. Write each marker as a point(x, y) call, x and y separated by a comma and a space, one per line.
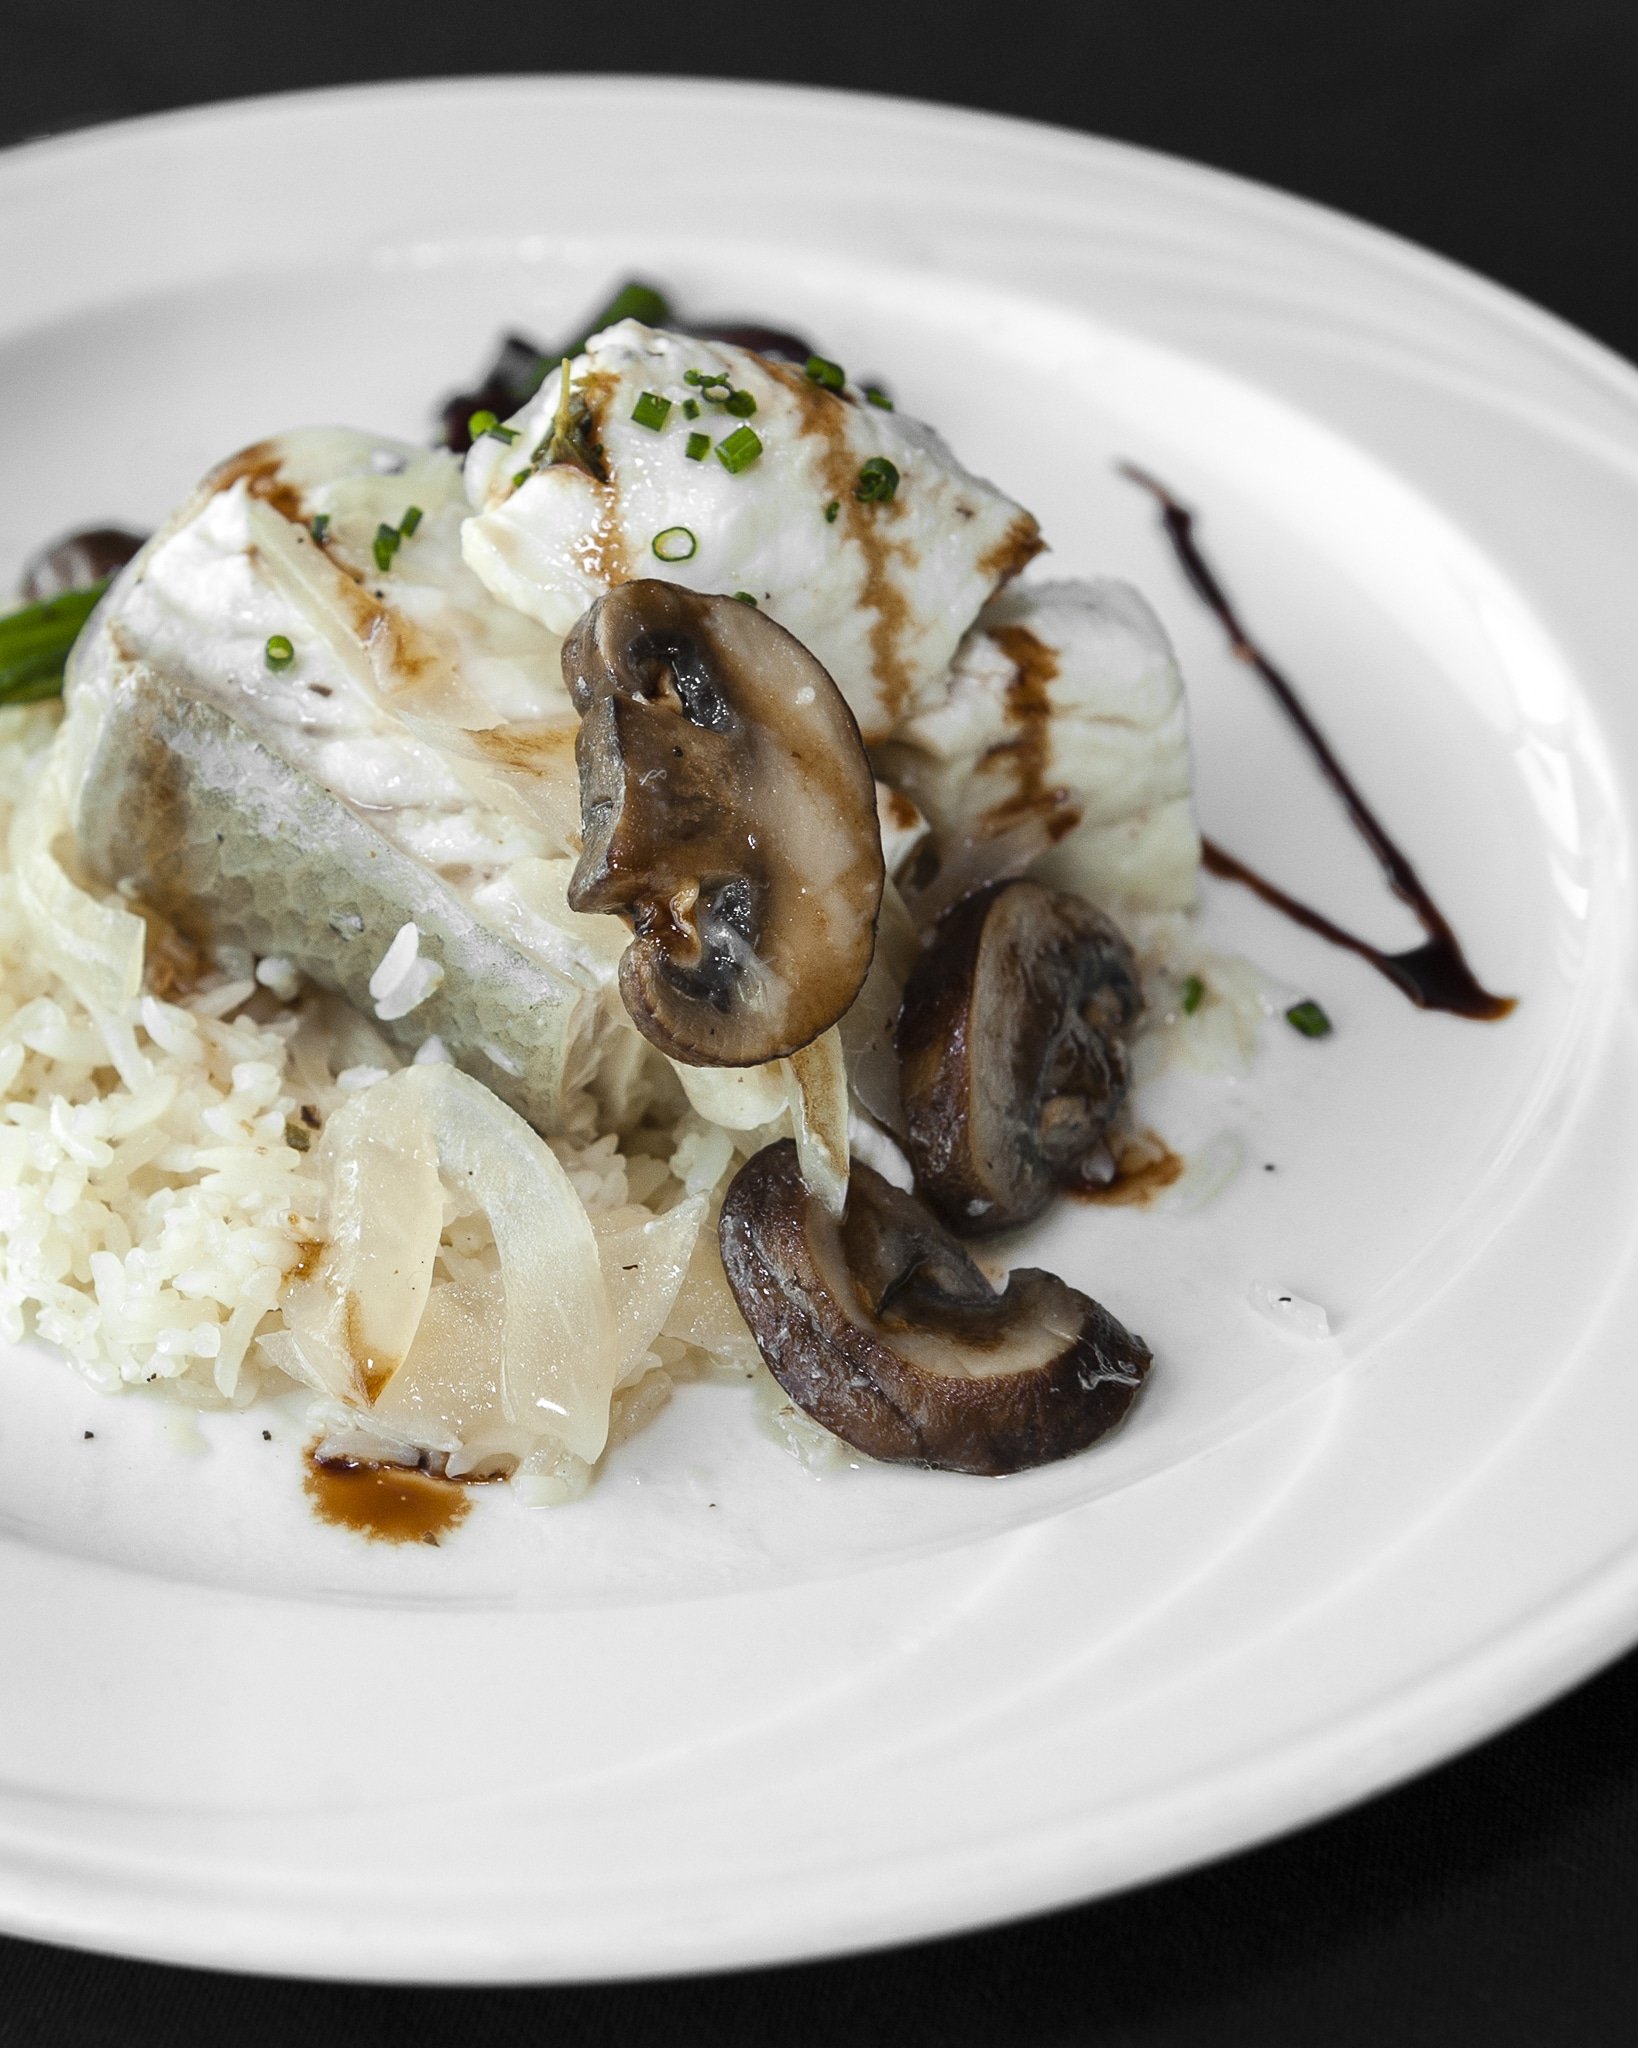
point(724, 1712)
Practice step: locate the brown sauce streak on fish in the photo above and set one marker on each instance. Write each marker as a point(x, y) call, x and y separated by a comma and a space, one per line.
point(602, 555)
point(1015, 550)
point(1144, 1165)
point(822, 414)
point(260, 468)
point(1029, 709)
point(385, 1503)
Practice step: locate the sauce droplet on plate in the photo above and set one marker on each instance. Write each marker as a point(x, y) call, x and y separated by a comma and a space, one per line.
point(387, 1503)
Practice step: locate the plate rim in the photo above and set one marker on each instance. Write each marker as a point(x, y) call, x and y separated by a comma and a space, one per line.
point(1609, 1597)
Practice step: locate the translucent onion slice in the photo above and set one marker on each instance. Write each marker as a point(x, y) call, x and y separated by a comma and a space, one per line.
point(818, 1104)
point(96, 947)
point(354, 1318)
point(737, 1098)
point(560, 1349)
point(645, 1260)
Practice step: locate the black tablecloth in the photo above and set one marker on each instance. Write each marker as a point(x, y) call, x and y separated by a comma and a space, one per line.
point(1495, 1901)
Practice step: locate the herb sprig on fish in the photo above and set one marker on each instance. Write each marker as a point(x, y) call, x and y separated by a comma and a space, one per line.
point(35, 644)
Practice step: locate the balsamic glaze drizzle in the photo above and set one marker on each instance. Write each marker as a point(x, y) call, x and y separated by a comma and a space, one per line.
point(1434, 975)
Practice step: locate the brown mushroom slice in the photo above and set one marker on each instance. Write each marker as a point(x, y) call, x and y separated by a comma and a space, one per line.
point(1012, 1052)
point(880, 1326)
point(729, 814)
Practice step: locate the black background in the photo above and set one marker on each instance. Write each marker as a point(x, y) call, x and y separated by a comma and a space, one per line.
point(1495, 1901)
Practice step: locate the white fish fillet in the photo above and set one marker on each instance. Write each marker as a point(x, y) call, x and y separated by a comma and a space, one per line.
point(1065, 704)
point(880, 592)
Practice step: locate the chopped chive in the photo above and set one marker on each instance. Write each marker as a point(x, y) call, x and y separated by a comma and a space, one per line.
point(691, 408)
point(745, 597)
point(280, 652)
point(831, 511)
point(1194, 994)
point(876, 396)
point(387, 539)
point(35, 643)
point(740, 403)
point(485, 422)
point(410, 521)
point(698, 447)
point(650, 411)
point(319, 526)
point(1308, 1018)
point(675, 544)
point(878, 480)
point(520, 477)
point(827, 375)
point(739, 450)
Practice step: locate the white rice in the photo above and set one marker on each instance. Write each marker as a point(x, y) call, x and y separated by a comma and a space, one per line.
point(151, 1197)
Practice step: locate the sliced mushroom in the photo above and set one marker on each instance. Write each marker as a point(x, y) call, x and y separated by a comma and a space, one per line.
point(79, 560)
point(1012, 1052)
point(729, 815)
point(881, 1327)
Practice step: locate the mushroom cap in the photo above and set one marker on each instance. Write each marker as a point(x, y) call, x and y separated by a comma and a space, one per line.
point(729, 814)
point(1012, 1052)
point(881, 1327)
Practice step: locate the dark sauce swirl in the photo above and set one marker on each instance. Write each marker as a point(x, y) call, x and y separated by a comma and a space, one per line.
point(1435, 975)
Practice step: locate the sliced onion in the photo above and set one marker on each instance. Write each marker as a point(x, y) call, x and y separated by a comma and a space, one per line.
point(559, 1351)
point(818, 1103)
point(645, 1259)
point(355, 1317)
point(95, 947)
point(737, 1098)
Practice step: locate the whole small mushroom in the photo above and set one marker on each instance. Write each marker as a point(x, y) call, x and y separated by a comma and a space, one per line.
point(1012, 1052)
point(880, 1326)
point(729, 815)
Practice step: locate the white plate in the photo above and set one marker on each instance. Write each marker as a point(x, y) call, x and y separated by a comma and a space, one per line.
point(723, 1712)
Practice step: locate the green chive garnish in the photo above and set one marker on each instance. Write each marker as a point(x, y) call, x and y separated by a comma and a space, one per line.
point(410, 521)
point(1194, 994)
point(739, 450)
point(698, 447)
point(740, 403)
point(877, 396)
point(320, 526)
point(691, 408)
point(650, 411)
point(831, 511)
point(280, 652)
point(485, 422)
point(387, 539)
point(745, 597)
point(828, 375)
point(1308, 1018)
point(878, 480)
point(35, 641)
point(675, 544)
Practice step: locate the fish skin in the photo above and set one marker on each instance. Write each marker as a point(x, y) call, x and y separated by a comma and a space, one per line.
point(232, 843)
